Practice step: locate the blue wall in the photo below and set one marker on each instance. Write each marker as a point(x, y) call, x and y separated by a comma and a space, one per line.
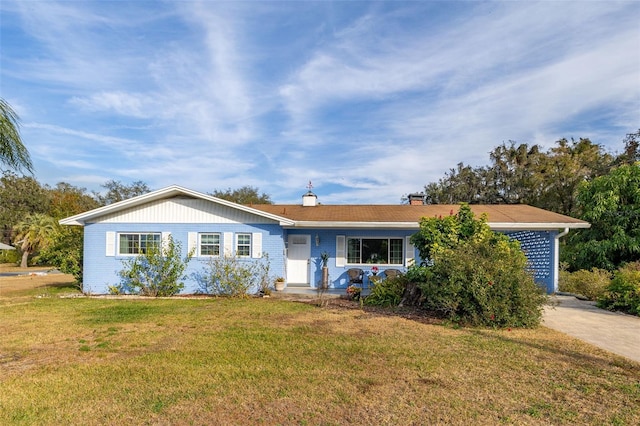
point(338, 275)
point(101, 271)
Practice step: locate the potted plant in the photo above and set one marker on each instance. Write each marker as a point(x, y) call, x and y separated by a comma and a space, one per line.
point(279, 284)
point(324, 257)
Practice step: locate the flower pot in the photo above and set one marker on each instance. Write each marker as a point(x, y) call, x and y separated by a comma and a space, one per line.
point(279, 285)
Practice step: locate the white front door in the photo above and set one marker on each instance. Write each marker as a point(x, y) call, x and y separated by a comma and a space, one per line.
point(298, 255)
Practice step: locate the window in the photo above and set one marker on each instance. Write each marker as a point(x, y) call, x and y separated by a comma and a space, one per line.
point(209, 244)
point(138, 243)
point(387, 251)
point(243, 245)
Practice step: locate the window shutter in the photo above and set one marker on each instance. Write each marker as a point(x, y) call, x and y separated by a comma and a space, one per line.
point(228, 243)
point(192, 243)
point(340, 250)
point(165, 241)
point(410, 251)
point(111, 244)
point(256, 245)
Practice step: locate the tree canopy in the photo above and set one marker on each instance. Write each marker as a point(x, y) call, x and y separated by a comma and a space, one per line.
point(13, 153)
point(611, 203)
point(244, 195)
point(520, 173)
point(117, 191)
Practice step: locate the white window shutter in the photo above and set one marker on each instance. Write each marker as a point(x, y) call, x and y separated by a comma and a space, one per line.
point(228, 243)
point(340, 250)
point(192, 243)
point(256, 245)
point(111, 244)
point(410, 251)
point(165, 241)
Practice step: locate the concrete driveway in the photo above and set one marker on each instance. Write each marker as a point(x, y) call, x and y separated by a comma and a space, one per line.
point(612, 331)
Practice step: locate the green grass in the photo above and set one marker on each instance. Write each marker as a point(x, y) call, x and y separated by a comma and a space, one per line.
point(261, 361)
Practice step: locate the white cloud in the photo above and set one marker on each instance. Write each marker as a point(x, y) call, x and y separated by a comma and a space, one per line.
point(369, 100)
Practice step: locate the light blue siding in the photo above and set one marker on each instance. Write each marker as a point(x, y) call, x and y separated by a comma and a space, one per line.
point(101, 271)
point(338, 275)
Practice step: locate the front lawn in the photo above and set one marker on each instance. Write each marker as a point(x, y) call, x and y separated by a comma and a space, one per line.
point(267, 361)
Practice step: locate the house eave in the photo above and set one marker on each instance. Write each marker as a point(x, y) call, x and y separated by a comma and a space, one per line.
point(551, 226)
point(496, 226)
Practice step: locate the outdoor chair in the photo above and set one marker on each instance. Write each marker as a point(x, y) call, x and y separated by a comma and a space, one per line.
point(356, 276)
point(392, 273)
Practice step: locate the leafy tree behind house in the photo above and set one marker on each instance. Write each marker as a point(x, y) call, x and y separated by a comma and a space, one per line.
point(117, 191)
point(611, 203)
point(526, 174)
point(244, 195)
point(13, 153)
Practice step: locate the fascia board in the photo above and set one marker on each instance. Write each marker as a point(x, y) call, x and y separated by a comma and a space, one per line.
point(345, 225)
point(497, 226)
point(551, 226)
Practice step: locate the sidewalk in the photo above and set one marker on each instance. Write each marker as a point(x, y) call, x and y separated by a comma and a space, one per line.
point(612, 331)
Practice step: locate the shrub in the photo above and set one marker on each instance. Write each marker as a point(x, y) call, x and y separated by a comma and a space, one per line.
point(474, 275)
point(590, 284)
point(623, 294)
point(484, 284)
point(387, 292)
point(156, 273)
point(230, 276)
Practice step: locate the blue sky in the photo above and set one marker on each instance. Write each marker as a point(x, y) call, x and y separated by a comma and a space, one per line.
point(368, 100)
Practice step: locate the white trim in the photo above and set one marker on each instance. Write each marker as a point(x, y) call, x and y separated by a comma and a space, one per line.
point(494, 226)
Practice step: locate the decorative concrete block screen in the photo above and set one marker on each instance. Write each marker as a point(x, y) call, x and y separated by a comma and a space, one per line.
point(538, 246)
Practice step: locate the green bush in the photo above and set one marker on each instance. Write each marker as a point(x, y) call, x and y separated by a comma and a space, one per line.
point(387, 292)
point(157, 273)
point(232, 277)
point(484, 284)
point(590, 284)
point(623, 294)
point(9, 256)
point(475, 276)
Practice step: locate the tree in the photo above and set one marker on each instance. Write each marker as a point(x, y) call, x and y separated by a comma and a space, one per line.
point(13, 153)
point(631, 152)
point(523, 174)
point(565, 168)
point(117, 191)
point(68, 200)
point(36, 231)
point(611, 203)
point(244, 195)
point(19, 197)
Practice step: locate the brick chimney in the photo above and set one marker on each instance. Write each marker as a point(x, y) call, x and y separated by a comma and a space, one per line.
point(416, 199)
